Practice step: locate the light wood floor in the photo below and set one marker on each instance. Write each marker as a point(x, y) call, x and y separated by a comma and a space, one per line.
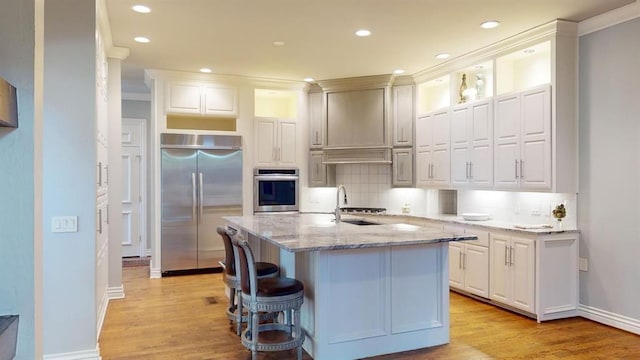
point(183, 318)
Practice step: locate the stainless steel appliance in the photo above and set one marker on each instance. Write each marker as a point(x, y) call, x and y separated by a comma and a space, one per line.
point(275, 189)
point(201, 182)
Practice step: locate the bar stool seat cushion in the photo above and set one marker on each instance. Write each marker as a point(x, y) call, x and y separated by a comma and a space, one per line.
point(278, 286)
point(265, 268)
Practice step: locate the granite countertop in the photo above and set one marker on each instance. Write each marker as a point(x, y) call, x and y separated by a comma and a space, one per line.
point(486, 224)
point(313, 232)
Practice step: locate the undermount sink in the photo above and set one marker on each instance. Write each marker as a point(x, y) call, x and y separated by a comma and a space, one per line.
point(359, 222)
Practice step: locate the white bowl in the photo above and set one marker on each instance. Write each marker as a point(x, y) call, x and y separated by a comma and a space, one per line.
point(475, 216)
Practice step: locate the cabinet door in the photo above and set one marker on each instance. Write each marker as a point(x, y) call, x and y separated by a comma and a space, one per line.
point(316, 128)
point(424, 159)
point(481, 139)
point(403, 115)
point(507, 141)
point(184, 98)
point(441, 170)
point(317, 170)
point(499, 271)
point(286, 146)
point(265, 141)
point(476, 270)
point(460, 150)
point(440, 128)
point(460, 166)
point(403, 167)
point(456, 270)
point(424, 133)
point(219, 101)
point(536, 138)
point(523, 268)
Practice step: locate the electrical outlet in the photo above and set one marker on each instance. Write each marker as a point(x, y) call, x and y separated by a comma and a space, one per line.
point(583, 264)
point(535, 213)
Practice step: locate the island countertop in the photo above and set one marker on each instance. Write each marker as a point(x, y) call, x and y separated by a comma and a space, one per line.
point(315, 232)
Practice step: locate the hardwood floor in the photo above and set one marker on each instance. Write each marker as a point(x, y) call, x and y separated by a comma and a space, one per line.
point(183, 317)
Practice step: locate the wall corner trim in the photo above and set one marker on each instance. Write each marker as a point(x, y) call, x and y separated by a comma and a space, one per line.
point(608, 318)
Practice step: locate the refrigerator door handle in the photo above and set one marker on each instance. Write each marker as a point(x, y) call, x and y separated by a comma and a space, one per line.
point(201, 200)
point(193, 197)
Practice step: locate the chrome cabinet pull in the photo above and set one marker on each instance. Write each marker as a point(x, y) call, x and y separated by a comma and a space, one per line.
point(521, 172)
point(466, 170)
point(511, 256)
point(517, 169)
point(99, 165)
point(193, 197)
point(470, 170)
point(106, 173)
point(99, 221)
point(506, 251)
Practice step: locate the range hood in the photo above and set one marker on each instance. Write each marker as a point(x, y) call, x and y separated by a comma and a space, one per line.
point(358, 126)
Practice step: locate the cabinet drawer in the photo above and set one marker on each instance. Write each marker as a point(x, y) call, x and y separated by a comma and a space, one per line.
point(483, 237)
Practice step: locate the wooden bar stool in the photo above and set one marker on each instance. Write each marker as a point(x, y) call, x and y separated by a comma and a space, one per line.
point(263, 269)
point(276, 295)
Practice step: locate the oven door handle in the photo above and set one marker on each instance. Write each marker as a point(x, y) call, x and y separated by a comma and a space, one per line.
point(276, 177)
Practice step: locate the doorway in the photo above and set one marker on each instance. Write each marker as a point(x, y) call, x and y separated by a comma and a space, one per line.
point(134, 223)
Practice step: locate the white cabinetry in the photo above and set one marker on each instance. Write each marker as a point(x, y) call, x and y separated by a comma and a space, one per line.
point(403, 167)
point(316, 120)
point(469, 262)
point(522, 153)
point(275, 141)
point(403, 110)
point(513, 271)
point(432, 149)
point(200, 99)
point(317, 170)
point(472, 145)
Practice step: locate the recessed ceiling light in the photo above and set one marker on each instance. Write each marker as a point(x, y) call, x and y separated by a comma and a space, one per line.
point(490, 24)
point(363, 32)
point(398, 71)
point(141, 39)
point(443, 56)
point(529, 51)
point(278, 43)
point(141, 9)
point(309, 79)
point(205, 70)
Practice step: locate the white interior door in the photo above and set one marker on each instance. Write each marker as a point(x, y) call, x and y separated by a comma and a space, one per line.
point(133, 220)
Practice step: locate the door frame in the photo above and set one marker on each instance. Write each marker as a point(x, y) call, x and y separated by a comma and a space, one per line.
point(145, 246)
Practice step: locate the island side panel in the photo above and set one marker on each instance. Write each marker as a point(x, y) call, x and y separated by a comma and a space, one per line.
point(372, 301)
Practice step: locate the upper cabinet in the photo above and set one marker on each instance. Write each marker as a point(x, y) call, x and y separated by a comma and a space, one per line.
point(403, 118)
point(527, 92)
point(522, 152)
point(200, 99)
point(275, 142)
point(316, 120)
point(433, 149)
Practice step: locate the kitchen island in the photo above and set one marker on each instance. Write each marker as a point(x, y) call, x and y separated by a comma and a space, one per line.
point(369, 289)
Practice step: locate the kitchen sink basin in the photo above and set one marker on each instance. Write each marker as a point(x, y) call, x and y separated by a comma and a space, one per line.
point(359, 222)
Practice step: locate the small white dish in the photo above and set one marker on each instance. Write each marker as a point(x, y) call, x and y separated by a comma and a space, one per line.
point(475, 216)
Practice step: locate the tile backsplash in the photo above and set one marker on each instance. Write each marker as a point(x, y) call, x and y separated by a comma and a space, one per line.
point(369, 185)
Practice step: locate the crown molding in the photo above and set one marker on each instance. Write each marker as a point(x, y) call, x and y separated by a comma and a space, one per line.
point(231, 80)
point(356, 83)
point(610, 18)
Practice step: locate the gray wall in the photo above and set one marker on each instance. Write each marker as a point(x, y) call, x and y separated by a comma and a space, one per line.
point(69, 158)
point(17, 274)
point(609, 192)
point(135, 109)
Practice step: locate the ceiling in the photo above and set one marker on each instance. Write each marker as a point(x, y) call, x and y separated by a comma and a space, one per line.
point(236, 36)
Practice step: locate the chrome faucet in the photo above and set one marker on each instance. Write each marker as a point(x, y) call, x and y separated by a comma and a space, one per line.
point(338, 200)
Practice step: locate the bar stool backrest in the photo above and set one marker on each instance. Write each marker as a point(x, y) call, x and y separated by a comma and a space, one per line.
point(229, 258)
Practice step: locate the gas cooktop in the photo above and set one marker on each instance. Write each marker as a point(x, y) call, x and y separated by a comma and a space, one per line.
point(363, 210)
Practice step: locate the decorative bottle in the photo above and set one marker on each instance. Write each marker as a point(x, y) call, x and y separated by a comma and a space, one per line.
point(463, 87)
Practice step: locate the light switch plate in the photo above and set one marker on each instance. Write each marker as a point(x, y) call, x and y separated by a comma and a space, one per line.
point(62, 224)
point(583, 264)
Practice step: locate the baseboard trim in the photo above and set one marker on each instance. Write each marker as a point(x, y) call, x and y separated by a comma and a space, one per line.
point(76, 355)
point(155, 273)
point(116, 292)
point(608, 318)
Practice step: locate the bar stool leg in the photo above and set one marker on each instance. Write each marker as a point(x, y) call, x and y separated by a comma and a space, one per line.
point(232, 302)
point(239, 314)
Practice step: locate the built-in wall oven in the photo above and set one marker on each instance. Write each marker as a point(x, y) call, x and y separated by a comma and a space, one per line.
point(275, 190)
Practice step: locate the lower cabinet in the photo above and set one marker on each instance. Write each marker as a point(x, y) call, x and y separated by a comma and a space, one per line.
point(533, 274)
point(469, 263)
point(513, 271)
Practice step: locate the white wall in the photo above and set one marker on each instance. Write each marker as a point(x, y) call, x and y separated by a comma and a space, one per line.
point(69, 156)
point(609, 193)
point(19, 274)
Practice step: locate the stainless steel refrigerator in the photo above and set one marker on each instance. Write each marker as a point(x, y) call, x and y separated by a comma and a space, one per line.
point(201, 182)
